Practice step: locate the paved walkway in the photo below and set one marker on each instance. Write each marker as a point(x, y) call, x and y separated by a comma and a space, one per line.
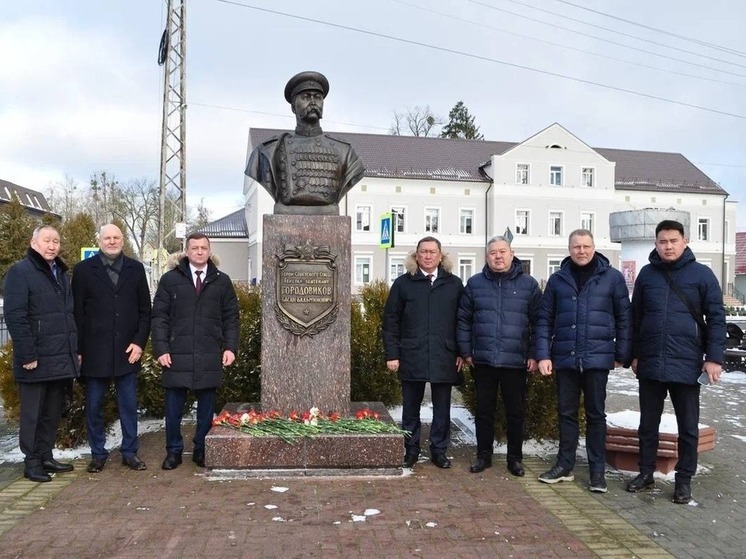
point(430, 513)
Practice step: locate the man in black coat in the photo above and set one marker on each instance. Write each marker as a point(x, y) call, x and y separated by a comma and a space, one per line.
point(112, 312)
point(195, 335)
point(39, 315)
point(419, 338)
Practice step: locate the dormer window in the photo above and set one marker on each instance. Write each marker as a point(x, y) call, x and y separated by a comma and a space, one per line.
point(555, 146)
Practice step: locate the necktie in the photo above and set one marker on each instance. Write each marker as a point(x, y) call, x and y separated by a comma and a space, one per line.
point(198, 285)
point(430, 278)
point(54, 272)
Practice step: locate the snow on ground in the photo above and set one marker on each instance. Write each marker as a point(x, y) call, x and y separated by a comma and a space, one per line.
point(728, 397)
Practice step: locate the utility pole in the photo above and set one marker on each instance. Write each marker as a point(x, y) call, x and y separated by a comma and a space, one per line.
point(172, 56)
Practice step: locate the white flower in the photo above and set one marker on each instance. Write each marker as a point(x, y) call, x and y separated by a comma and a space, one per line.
point(314, 412)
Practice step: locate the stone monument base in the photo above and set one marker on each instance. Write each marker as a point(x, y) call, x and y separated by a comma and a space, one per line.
point(229, 450)
point(623, 453)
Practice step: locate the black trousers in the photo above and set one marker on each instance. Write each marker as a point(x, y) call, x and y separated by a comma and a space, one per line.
point(512, 386)
point(440, 429)
point(592, 382)
point(685, 400)
point(41, 411)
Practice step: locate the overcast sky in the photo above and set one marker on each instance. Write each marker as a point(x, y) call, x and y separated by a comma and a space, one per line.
point(81, 91)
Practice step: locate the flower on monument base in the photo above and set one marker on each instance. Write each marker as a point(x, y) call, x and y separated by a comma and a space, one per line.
point(310, 423)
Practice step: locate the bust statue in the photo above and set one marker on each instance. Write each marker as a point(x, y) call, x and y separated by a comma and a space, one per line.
point(307, 172)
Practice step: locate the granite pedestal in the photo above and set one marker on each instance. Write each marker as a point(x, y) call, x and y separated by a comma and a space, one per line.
point(230, 449)
point(306, 298)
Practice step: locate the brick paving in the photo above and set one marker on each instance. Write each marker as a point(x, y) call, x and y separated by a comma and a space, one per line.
point(430, 513)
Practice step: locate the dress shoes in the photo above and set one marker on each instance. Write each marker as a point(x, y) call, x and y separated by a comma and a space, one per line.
point(516, 468)
point(198, 457)
point(642, 481)
point(480, 464)
point(410, 459)
point(172, 461)
point(53, 466)
point(440, 460)
point(682, 492)
point(133, 462)
point(37, 474)
point(96, 464)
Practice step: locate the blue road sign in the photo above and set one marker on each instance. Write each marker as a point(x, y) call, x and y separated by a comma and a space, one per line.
point(87, 252)
point(387, 231)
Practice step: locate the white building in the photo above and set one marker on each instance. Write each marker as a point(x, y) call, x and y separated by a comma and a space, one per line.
point(465, 191)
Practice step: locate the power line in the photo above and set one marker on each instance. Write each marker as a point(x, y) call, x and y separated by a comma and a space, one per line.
point(623, 34)
point(657, 30)
point(483, 58)
point(240, 110)
point(638, 64)
point(597, 38)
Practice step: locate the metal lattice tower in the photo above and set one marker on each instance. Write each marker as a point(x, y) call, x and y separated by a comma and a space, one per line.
point(172, 57)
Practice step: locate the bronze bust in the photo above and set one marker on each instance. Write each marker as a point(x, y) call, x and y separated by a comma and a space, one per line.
point(307, 172)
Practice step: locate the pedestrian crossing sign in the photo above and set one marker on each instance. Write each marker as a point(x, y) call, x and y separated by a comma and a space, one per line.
point(87, 252)
point(387, 231)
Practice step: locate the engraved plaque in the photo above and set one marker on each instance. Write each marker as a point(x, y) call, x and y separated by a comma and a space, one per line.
point(306, 289)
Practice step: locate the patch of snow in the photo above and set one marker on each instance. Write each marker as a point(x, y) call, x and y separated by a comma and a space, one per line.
point(278, 489)
point(371, 512)
point(431, 524)
point(358, 518)
point(270, 507)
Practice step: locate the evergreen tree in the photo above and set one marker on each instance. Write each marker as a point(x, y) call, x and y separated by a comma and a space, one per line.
point(461, 124)
point(16, 227)
point(76, 233)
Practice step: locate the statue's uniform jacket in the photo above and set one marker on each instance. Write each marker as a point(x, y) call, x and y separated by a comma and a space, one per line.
point(305, 170)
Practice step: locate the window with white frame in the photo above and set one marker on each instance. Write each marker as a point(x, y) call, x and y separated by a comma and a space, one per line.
point(399, 215)
point(555, 224)
point(587, 177)
point(465, 268)
point(553, 265)
point(521, 222)
point(432, 220)
point(587, 221)
point(522, 173)
point(396, 267)
point(362, 218)
point(555, 175)
point(466, 221)
point(703, 229)
point(526, 265)
point(362, 269)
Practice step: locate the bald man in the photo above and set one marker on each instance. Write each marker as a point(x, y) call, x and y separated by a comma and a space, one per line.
point(112, 312)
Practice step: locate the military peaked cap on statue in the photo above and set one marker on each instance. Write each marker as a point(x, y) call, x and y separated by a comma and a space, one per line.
point(305, 81)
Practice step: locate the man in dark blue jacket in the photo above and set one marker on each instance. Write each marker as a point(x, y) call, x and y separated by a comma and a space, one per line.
point(419, 340)
point(673, 346)
point(39, 315)
point(582, 332)
point(496, 318)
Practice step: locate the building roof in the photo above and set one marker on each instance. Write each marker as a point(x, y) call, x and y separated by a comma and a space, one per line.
point(32, 200)
point(741, 252)
point(232, 226)
point(389, 156)
point(411, 157)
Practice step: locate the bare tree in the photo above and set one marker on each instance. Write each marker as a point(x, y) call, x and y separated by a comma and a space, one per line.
point(135, 204)
point(64, 198)
point(100, 205)
point(418, 121)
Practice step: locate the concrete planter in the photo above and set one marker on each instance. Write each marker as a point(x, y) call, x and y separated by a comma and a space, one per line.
point(622, 448)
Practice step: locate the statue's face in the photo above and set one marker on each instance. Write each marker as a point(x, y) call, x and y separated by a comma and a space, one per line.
point(308, 106)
